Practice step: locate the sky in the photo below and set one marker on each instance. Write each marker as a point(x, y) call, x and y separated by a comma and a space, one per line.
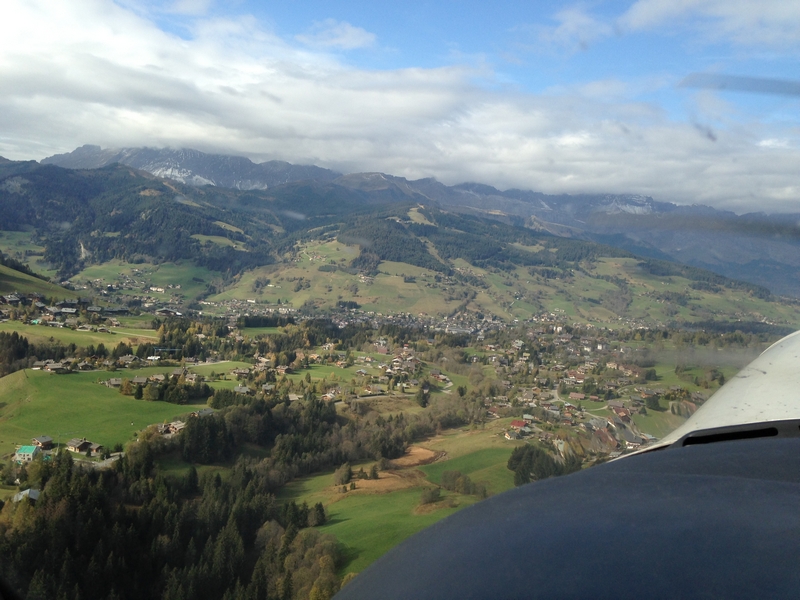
point(556, 97)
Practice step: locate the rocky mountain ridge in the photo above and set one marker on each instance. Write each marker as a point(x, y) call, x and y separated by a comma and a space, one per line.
point(193, 167)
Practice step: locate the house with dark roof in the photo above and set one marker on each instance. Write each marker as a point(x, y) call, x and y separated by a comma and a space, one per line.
point(203, 412)
point(45, 442)
point(78, 445)
point(11, 299)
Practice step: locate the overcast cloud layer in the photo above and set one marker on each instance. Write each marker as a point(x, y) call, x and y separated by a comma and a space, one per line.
point(92, 71)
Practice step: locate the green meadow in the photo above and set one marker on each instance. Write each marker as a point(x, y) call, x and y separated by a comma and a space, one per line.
point(219, 241)
point(34, 403)
point(220, 368)
point(260, 331)
point(14, 281)
point(190, 277)
point(65, 335)
point(368, 523)
point(658, 423)
point(487, 465)
point(19, 245)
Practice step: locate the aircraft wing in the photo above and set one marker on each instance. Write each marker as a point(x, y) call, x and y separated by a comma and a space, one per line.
point(762, 400)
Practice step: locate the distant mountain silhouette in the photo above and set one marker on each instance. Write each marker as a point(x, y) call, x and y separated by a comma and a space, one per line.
point(194, 167)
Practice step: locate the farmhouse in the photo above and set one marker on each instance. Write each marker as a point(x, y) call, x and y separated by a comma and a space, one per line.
point(78, 445)
point(44, 442)
point(11, 299)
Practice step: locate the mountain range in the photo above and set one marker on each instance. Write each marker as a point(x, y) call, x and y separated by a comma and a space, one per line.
point(759, 248)
point(193, 167)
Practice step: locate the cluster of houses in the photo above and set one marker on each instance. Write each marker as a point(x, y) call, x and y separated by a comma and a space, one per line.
point(404, 364)
point(17, 299)
point(63, 312)
point(605, 433)
point(116, 382)
point(44, 443)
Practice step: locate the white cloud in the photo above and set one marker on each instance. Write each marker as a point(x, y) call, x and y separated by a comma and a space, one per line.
point(774, 143)
point(747, 22)
point(97, 73)
point(575, 30)
point(190, 7)
point(331, 33)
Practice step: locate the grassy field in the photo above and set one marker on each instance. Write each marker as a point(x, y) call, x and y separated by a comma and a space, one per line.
point(190, 277)
point(219, 241)
point(173, 464)
point(7, 491)
point(34, 403)
point(458, 442)
point(258, 331)
point(18, 244)
point(394, 404)
point(225, 366)
point(658, 423)
point(228, 226)
point(483, 466)
point(143, 321)
point(368, 523)
point(14, 281)
point(43, 333)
